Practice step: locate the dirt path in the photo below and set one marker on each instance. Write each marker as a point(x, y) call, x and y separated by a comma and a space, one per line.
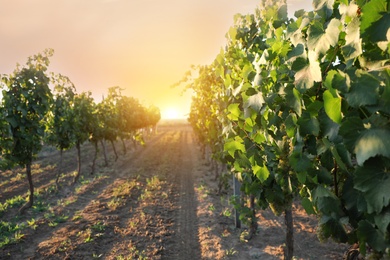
point(187, 225)
point(156, 202)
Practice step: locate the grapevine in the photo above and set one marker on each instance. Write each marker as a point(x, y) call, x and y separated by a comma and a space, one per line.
point(304, 111)
point(32, 116)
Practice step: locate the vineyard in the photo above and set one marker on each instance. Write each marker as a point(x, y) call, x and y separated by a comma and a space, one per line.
point(146, 205)
point(298, 110)
point(31, 114)
point(292, 122)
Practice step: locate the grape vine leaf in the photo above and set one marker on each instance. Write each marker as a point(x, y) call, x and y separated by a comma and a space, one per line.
point(294, 99)
point(372, 12)
point(382, 220)
point(233, 145)
point(255, 102)
point(328, 127)
point(332, 105)
point(379, 29)
point(324, 8)
point(308, 206)
point(374, 181)
point(364, 90)
point(350, 130)
point(261, 172)
point(368, 233)
point(337, 80)
point(308, 125)
point(234, 111)
point(353, 43)
point(307, 72)
point(371, 143)
point(320, 39)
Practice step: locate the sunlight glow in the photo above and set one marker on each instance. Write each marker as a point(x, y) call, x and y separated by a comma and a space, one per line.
point(170, 113)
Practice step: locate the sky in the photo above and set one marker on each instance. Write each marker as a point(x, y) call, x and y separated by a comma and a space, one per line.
point(142, 46)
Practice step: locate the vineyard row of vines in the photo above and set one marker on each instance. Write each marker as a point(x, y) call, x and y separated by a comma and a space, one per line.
point(299, 109)
point(40, 108)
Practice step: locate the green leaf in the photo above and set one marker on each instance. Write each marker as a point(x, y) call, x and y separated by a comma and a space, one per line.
point(255, 102)
point(332, 105)
point(382, 221)
point(328, 127)
point(234, 111)
point(261, 172)
point(297, 51)
point(371, 143)
point(332, 227)
point(299, 162)
point(364, 90)
point(291, 125)
point(246, 71)
point(306, 72)
point(373, 237)
point(320, 39)
point(372, 12)
point(258, 137)
point(353, 44)
point(374, 181)
point(308, 125)
point(308, 206)
point(232, 33)
point(350, 130)
point(294, 99)
point(337, 80)
point(233, 145)
point(324, 8)
point(338, 158)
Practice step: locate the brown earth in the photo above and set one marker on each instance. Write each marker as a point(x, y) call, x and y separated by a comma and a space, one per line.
point(159, 201)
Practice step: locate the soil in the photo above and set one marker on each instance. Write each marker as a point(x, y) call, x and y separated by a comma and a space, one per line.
point(158, 201)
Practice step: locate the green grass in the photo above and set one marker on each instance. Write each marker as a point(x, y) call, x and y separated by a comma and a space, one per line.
point(98, 226)
point(10, 233)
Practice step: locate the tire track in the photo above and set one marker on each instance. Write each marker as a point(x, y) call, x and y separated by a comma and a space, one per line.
point(187, 222)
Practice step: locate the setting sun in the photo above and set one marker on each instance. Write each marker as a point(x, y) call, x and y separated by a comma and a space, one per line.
point(170, 113)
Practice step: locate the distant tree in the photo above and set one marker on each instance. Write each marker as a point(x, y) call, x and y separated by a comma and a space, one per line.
point(26, 101)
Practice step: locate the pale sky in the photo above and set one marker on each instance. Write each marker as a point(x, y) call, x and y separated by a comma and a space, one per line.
point(143, 46)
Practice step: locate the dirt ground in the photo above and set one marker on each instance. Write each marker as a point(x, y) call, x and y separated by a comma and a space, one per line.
point(158, 201)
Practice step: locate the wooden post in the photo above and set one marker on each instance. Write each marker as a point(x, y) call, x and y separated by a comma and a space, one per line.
point(237, 195)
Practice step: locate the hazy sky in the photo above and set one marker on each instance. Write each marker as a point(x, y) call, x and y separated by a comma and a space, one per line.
point(143, 46)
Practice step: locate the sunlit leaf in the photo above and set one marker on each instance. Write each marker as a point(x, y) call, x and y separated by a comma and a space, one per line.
point(320, 39)
point(261, 172)
point(337, 80)
point(371, 143)
point(233, 145)
point(332, 105)
point(307, 72)
point(234, 111)
point(372, 12)
point(323, 7)
point(353, 45)
point(255, 102)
